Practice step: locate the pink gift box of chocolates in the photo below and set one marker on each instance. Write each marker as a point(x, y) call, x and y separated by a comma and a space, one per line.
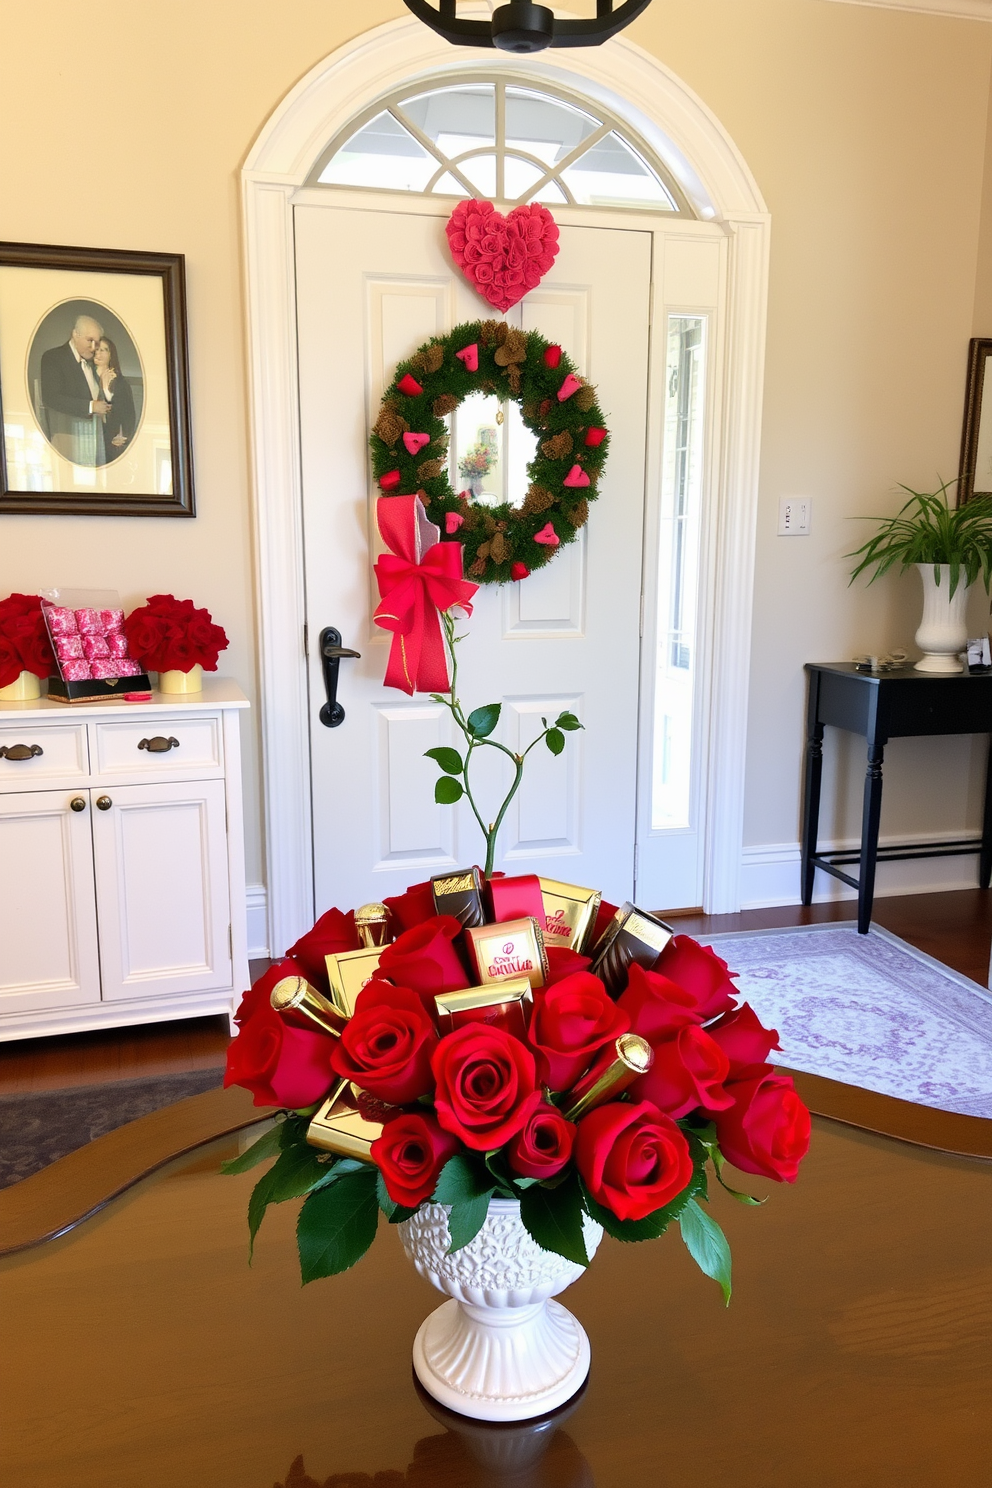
point(86, 630)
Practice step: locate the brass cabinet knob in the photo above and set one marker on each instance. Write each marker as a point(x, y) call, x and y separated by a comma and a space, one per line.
point(78, 803)
point(103, 803)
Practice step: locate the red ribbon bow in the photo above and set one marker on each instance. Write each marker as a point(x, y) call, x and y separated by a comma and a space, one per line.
point(417, 579)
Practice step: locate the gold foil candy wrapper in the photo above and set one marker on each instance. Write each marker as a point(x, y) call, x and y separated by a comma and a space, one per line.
point(631, 936)
point(617, 1067)
point(341, 1128)
point(512, 949)
point(348, 972)
point(460, 894)
point(371, 921)
point(570, 914)
point(505, 1005)
point(294, 995)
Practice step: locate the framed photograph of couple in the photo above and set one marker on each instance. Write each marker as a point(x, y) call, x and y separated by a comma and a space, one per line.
point(94, 383)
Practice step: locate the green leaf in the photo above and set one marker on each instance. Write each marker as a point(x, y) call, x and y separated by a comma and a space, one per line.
point(394, 1212)
point(507, 1184)
point(553, 1217)
point(555, 740)
point(337, 1225)
point(449, 759)
point(267, 1145)
point(652, 1225)
point(707, 1244)
point(466, 1218)
point(447, 791)
point(296, 1172)
point(568, 722)
point(461, 1178)
point(483, 720)
point(705, 1138)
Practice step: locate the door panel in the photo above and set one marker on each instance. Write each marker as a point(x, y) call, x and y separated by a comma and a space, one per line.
point(162, 886)
point(371, 287)
point(48, 941)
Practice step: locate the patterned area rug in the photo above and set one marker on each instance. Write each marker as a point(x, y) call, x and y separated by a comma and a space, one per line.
point(43, 1125)
point(869, 1010)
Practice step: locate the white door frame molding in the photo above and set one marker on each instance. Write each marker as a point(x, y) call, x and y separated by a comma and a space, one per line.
point(692, 143)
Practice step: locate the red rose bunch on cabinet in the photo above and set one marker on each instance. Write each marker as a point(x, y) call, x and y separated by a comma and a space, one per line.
point(614, 1095)
point(171, 635)
point(24, 643)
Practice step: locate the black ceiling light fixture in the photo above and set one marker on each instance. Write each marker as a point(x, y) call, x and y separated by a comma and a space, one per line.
point(523, 27)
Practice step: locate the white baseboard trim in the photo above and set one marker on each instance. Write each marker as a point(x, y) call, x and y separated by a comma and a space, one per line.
point(258, 921)
point(770, 873)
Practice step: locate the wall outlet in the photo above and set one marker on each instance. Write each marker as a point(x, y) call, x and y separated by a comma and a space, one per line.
point(795, 515)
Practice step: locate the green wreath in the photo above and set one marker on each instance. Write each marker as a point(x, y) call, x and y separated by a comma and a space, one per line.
point(410, 444)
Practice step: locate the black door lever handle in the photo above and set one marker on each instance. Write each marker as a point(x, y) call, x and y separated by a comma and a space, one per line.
point(331, 652)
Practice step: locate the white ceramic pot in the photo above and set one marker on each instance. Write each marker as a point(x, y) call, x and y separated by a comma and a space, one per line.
point(500, 1349)
point(191, 681)
point(22, 689)
point(943, 632)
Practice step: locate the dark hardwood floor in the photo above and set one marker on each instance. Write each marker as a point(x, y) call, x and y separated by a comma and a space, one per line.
point(955, 928)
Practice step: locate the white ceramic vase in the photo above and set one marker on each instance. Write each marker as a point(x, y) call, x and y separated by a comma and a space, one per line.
point(500, 1349)
point(23, 689)
point(191, 681)
point(943, 632)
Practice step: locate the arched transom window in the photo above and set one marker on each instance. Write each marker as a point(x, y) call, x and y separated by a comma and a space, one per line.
point(500, 140)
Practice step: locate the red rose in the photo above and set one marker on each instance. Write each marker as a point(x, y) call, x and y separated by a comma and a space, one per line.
point(543, 1146)
point(29, 637)
point(744, 1039)
point(177, 655)
point(10, 662)
point(657, 1006)
point(333, 934)
point(700, 971)
point(145, 633)
point(766, 1130)
point(410, 1154)
point(633, 1159)
point(486, 1085)
point(280, 1064)
point(413, 907)
point(207, 639)
point(17, 605)
point(386, 1046)
point(570, 1023)
point(688, 1071)
point(563, 962)
point(425, 959)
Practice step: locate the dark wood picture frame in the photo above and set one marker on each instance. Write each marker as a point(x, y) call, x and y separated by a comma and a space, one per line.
point(169, 268)
point(979, 350)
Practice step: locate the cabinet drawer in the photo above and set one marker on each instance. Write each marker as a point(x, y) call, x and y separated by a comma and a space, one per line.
point(159, 747)
point(56, 752)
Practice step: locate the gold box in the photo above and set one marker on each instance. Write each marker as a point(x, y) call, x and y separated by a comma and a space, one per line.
point(506, 1005)
point(338, 1127)
point(348, 973)
point(513, 949)
point(569, 914)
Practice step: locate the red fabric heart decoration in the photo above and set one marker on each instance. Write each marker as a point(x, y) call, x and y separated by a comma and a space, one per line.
point(547, 536)
point(469, 355)
point(502, 257)
point(415, 442)
point(570, 385)
point(576, 477)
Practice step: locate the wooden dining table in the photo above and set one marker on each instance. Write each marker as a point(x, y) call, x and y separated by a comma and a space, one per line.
point(140, 1348)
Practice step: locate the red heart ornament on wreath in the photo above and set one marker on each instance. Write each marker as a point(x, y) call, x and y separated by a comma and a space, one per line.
point(502, 257)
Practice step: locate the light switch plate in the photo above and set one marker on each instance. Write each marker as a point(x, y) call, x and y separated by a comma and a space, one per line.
point(795, 516)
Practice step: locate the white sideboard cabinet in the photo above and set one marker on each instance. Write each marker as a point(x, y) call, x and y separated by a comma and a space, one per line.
point(122, 879)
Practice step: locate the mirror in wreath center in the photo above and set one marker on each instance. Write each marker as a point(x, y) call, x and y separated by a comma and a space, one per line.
point(490, 449)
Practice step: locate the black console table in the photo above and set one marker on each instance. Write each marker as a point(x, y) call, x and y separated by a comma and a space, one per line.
point(884, 706)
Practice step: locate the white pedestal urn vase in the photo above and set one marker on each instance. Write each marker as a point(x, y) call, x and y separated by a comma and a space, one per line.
point(943, 632)
point(500, 1349)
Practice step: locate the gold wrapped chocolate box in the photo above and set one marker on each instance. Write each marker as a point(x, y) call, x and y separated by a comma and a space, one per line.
point(512, 949)
point(631, 936)
point(348, 972)
point(341, 1128)
point(506, 1005)
point(569, 914)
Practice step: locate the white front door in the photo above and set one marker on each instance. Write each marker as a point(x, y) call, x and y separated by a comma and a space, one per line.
point(371, 287)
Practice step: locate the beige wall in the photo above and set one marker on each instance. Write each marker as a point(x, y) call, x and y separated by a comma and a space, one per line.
point(865, 129)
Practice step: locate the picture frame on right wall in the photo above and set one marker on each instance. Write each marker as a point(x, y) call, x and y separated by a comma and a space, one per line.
point(975, 468)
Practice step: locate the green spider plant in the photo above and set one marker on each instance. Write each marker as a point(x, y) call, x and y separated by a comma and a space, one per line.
point(928, 530)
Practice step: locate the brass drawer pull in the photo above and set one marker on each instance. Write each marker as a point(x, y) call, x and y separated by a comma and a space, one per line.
point(20, 751)
point(159, 745)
